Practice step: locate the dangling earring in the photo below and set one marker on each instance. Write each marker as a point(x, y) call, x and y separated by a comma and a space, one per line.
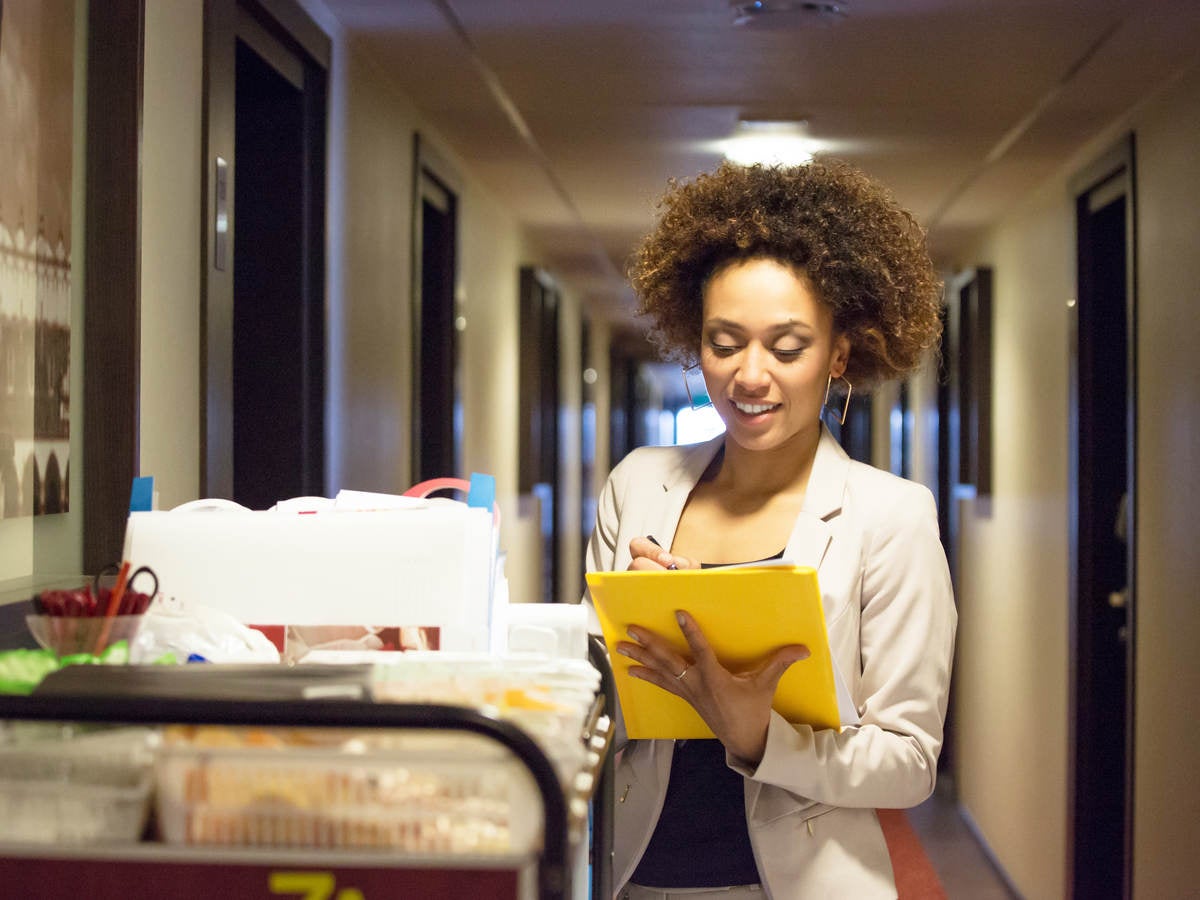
point(697, 390)
point(846, 405)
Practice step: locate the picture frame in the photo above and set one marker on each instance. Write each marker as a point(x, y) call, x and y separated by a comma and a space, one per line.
point(36, 212)
point(970, 321)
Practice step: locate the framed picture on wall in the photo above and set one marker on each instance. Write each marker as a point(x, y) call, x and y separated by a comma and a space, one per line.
point(970, 315)
point(37, 82)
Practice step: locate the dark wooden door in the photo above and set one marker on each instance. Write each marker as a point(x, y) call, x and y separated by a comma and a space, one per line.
point(269, 358)
point(437, 402)
point(1102, 428)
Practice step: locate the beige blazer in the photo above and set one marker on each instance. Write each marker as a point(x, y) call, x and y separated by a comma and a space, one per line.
point(810, 803)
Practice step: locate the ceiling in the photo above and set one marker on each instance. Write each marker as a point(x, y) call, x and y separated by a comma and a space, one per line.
point(574, 113)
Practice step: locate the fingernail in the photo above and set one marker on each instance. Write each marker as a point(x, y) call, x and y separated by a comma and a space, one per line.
point(633, 634)
point(680, 619)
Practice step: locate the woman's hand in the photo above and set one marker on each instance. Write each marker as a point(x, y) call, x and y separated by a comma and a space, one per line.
point(649, 556)
point(735, 705)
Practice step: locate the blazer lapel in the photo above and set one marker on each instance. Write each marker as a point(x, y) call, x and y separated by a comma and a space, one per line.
point(807, 545)
point(677, 486)
point(812, 533)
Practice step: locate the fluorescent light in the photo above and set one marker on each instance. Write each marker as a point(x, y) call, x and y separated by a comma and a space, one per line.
point(770, 143)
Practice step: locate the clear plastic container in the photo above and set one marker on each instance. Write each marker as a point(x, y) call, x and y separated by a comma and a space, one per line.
point(66, 635)
point(411, 792)
point(94, 788)
point(547, 698)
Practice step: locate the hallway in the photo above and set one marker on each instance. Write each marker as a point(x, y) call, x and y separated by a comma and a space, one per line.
point(562, 121)
point(965, 870)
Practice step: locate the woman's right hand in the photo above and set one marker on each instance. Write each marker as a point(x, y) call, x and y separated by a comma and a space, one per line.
point(650, 557)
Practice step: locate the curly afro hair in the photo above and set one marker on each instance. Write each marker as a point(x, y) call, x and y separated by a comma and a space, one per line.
point(864, 255)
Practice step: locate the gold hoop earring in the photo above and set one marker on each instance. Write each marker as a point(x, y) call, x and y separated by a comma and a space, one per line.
point(841, 419)
point(697, 390)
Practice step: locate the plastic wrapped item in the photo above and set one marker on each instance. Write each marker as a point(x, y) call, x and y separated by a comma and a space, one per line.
point(21, 671)
point(186, 629)
point(93, 788)
point(549, 699)
point(420, 792)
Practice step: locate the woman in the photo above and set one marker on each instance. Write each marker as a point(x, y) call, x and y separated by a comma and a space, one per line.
point(782, 283)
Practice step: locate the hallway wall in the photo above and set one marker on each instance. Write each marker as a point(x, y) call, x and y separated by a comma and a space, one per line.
point(172, 213)
point(369, 279)
point(1012, 679)
point(1166, 790)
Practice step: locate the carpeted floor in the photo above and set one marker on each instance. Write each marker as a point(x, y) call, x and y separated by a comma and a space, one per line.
point(916, 878)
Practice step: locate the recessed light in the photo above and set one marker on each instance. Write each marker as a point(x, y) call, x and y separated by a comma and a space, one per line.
point(785, 13)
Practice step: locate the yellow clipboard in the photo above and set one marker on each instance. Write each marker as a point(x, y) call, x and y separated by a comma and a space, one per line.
point(745, 612)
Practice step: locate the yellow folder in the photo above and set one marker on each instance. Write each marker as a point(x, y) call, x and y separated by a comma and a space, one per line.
point(745, 612)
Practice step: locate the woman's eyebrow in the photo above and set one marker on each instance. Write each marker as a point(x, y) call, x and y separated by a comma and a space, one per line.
point(782, 328)
point(792, 325)
point(722, 323)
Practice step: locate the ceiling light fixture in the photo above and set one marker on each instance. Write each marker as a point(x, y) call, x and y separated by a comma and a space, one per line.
point(770, 142)
point(789, 12)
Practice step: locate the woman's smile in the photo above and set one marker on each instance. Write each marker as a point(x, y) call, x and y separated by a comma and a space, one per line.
point(753, 409)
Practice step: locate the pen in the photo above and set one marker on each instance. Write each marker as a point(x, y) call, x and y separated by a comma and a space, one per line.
point(672, 567)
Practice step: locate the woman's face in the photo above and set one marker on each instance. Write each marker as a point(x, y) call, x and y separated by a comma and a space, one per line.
point(767, 350)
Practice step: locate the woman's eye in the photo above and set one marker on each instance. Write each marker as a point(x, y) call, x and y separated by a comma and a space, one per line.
point(722, 349)
point(786, 355)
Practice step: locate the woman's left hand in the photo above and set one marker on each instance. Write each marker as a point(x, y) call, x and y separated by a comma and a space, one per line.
point(735, 705)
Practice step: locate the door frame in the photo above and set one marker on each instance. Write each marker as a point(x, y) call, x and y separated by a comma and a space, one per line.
point(286, 22)
point(112, 276)
point(434, 179)
point(1117, 163)
point(540, 389)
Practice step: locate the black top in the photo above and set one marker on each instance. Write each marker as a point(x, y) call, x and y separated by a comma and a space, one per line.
point(701, 839)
